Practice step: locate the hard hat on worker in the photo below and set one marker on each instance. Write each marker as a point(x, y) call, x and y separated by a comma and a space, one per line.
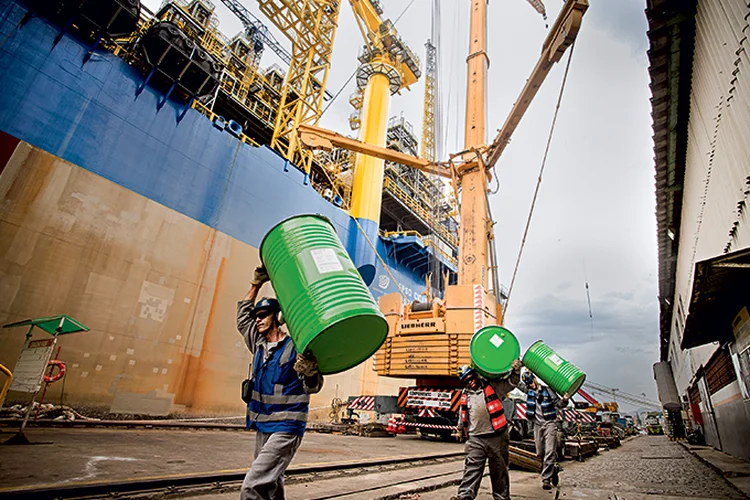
point(465, 373)
point(265, 304)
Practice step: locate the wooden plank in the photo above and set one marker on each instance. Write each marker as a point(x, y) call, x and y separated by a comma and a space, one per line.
point(524, 460)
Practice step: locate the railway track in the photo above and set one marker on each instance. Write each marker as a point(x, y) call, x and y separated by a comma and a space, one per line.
point(379, 478)
point(8, 423)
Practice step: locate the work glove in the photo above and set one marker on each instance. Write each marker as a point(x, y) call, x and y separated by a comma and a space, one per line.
point(306, 365)
point(260, 276)
point(516, 365)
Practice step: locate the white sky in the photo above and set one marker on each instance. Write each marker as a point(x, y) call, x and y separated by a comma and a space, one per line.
point(594, 218)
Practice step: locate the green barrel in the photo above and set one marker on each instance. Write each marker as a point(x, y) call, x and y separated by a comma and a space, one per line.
point(493, 349)
point(327, 307)
point(561, 375)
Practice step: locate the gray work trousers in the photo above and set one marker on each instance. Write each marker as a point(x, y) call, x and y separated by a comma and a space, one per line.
point(479, 449)
point(545, 437)
point(273, 452)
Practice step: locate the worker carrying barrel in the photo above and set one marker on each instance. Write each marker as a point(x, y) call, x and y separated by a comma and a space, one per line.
point(277, 395)
point(542, 404)
point(483, 421)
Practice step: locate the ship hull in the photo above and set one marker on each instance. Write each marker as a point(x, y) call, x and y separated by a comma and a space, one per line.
point(142, 220)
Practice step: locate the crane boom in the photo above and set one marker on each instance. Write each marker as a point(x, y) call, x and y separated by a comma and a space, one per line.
point(627, 397)
point(255, 29)
point(319, 138)
point(561, 36)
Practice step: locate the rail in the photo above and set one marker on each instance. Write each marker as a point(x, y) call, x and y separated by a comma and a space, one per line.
point(396, 190)
point(221, 480)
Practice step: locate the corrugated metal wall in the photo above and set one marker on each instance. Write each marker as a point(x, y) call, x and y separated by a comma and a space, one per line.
point(717, 177)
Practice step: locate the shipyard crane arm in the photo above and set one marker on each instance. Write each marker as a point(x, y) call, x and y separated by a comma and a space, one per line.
point(561, 36)
point(624, 396)
point(381, 38)
point(256, 30)
point(596, 405)
point(322, 139)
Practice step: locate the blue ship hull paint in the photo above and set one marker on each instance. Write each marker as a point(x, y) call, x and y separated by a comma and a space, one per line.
point(89, 115)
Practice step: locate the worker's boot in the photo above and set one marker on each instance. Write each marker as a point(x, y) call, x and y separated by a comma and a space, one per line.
point(556, 476)
point(546, 485)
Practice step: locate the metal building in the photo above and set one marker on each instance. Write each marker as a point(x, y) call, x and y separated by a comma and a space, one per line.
point(700, 81)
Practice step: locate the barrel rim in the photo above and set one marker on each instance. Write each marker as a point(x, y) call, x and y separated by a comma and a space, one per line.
point(483, 370)
point(374, 314)
point(528, 349)
point(582, 379)
point(283, 221)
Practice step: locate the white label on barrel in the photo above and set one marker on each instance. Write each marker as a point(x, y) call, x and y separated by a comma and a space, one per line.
point(555, 359)
point(326, 260)
point(496, 341)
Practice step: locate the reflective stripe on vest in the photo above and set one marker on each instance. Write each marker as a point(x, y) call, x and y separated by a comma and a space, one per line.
point(280, 399)
point(495, 408)
point(549, 412)
point(279, 416)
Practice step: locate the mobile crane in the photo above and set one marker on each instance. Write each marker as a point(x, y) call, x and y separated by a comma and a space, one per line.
point(428, 342)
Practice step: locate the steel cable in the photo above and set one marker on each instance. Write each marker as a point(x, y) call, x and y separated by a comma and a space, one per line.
point(539, 179)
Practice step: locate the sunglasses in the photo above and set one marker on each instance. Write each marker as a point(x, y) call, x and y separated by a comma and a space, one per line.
point(263, 314)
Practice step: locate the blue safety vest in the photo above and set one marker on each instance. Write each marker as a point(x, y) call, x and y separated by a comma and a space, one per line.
point(279, 402)
point(549, 412)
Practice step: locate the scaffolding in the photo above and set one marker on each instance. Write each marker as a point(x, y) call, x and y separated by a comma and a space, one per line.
point(311, 27)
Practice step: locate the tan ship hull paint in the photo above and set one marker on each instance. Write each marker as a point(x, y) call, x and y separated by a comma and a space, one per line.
point(158, 290)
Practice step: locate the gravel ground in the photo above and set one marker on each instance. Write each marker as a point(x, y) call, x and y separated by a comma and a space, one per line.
point(647, 465)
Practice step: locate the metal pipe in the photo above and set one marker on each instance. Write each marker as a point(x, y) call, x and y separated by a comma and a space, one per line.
point(6, 385)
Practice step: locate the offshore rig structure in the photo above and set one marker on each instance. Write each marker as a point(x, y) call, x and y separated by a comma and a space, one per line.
point(180, 50)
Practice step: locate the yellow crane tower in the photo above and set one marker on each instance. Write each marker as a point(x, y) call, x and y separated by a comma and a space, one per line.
point(387, 66)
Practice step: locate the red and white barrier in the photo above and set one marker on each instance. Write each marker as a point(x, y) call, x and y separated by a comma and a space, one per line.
point(568, 415)
point(362, 403)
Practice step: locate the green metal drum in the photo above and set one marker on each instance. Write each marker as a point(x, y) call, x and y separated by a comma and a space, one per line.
point(561, 375)
point(328, 308)
point(493, 349)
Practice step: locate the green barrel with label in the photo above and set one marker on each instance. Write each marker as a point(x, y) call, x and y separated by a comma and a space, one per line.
point(327, 307)
point(493, 349)
point(562, 376)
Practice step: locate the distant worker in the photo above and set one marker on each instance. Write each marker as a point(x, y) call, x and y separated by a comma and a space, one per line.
point(282, 382)
point(483, 420)
point(542, 404)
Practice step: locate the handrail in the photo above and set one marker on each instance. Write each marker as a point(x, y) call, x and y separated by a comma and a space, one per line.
point(419, 210)
point(6, 385)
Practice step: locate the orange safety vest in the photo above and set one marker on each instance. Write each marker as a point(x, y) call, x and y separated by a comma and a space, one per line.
point(494, 408)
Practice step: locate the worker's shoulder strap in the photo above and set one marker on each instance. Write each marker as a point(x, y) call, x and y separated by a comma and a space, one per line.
point(287, 351)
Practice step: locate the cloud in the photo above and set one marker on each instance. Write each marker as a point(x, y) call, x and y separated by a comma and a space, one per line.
point(625, 20)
